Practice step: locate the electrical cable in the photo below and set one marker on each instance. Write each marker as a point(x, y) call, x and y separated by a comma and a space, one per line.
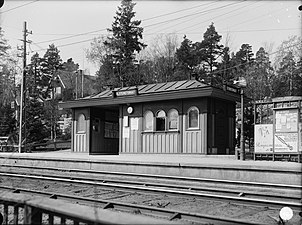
point(104, 29)
point(200, 22)
point(19, 6)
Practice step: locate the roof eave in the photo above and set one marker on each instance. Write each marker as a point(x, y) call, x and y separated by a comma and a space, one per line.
point(181, 94)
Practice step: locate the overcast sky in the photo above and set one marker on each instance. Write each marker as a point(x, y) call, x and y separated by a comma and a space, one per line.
point(71, 25)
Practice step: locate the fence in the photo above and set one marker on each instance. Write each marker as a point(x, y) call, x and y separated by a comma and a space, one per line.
point(27, 209)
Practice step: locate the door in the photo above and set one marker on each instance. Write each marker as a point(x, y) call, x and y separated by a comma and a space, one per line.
point(81, 128)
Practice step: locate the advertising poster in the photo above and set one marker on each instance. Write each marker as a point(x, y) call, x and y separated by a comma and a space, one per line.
point(286, 142)
point(263, 138)
point(287, 120)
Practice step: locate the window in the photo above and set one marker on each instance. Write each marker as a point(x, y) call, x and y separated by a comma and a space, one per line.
point(173, 119)
point(148, 121)
point(193, 117)
point(160, 120)
point(81, 123)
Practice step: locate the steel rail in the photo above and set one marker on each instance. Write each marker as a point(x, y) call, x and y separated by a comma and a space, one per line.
point(145, 210)
point(166, 177)
point(241, 199)
point(172, 186)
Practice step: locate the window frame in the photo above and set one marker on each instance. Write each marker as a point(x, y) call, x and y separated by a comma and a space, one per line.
point(144, 121)
point(169, 120)
point(81, 115)
point(165, 120)
point(188, 118)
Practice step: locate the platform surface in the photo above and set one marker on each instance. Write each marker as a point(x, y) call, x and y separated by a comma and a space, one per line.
point(180, 159)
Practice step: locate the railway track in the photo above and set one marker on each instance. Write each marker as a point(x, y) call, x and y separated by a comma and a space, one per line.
point(170, 215)
point(136, 185)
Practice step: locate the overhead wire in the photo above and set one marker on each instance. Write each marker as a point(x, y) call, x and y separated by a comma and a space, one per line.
point(200, 22)
point(166, 21)
point(17, 7)
point(104, 29)
point(220, 15)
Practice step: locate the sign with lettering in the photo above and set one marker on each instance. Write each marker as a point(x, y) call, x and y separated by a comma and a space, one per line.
point(287, 120)
point(263, 138)
point(231, 89)
point(125, 93)
point(286, 142)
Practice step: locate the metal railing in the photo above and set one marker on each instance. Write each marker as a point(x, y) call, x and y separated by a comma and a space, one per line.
point(17, 208)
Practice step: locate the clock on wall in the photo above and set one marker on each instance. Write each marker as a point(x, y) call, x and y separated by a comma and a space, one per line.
point(130, 109)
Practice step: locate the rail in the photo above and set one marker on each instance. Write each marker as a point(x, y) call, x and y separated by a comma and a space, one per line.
point(171, 216)
point(27, 209)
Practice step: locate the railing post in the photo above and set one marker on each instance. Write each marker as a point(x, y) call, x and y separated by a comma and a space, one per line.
point(63, 220)
point(32, 215)
point(50, 219)
point(16, 214)
point(5, 214)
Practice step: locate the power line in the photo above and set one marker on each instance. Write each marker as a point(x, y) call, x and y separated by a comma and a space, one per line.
point(104, 29)
point(220, 15)
point(211, 19)
point(182, 10)
point(75, 35)
point(19, 6)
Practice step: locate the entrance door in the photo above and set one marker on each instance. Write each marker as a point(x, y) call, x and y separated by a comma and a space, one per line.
point(81, 128)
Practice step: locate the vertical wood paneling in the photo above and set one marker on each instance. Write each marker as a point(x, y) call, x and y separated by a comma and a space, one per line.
point(194, 141)
point(160, 142)
point(133, 143)
point(80, 143)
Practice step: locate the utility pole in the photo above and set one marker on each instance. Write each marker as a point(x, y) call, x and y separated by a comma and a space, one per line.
point(82, 77)
point(22, 119)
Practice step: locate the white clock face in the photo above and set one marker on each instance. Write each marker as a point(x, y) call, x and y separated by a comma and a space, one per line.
point(129, 109)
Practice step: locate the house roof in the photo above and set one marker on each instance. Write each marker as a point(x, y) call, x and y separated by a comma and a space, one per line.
point(68, 80)
point(154, 92)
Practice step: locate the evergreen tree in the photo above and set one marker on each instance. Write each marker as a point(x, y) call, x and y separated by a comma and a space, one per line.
point(243, 59)
point(125, 42)
point(50, 64)
point(260, 76)
point(225, 73)
point(186, 59)
point(36, 129)
point(7, 88)
point(210, 48)
point(289, 75)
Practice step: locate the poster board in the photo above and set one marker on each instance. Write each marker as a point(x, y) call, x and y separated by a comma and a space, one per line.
point(286, 120)
point(263, 138)
point(286, 142)
point(286, 135)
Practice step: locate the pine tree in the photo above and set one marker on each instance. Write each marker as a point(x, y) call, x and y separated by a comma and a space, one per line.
point(7, 88)
point(289, 76)
point(186, 59)
point(125, 42)
point(211, 50)
point(259, 76)
point(50, 64)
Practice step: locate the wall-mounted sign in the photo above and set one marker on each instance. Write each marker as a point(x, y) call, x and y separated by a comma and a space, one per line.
point(125, 93)
point(263, 138)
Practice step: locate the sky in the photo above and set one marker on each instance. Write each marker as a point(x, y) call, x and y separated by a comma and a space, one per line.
point(71, 25)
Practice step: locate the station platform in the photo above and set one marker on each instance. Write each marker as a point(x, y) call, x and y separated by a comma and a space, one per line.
point(225, 167)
